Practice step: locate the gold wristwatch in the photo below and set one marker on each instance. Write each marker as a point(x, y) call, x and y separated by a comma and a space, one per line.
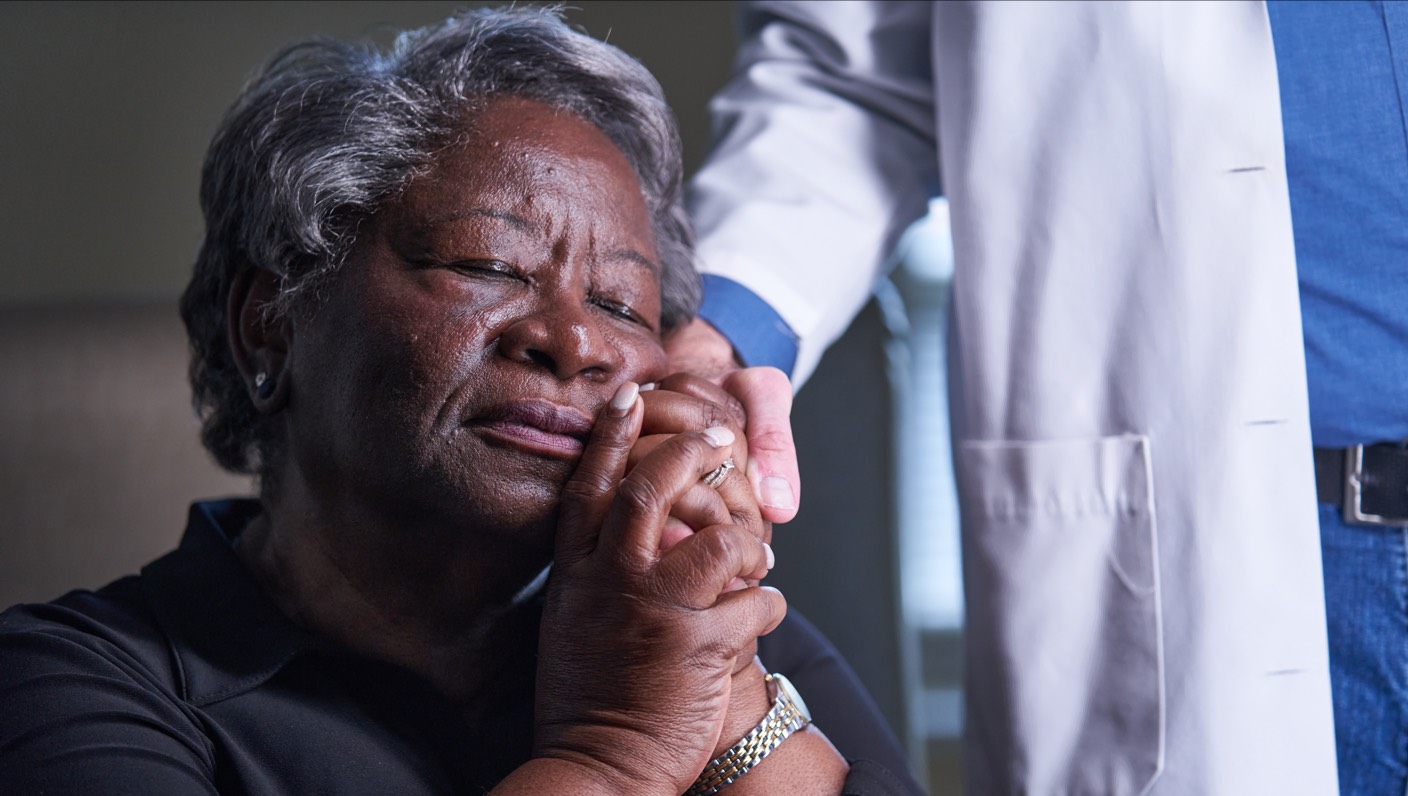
point(788, 714)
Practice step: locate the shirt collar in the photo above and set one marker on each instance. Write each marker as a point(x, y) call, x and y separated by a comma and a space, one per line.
point(226, 634)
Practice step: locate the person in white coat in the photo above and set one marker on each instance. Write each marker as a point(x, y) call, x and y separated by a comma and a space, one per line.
point(1130, 405)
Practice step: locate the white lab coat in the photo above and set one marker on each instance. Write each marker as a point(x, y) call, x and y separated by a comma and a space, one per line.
point(1142, 566)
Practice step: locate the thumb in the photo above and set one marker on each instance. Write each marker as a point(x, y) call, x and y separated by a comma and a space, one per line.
point(766, 395)
point(588, 493)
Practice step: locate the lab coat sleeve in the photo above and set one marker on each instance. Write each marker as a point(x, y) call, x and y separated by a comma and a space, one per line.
point(824, 153)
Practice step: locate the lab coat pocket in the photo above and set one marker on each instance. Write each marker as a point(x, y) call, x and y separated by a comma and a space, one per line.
point(1065, 658)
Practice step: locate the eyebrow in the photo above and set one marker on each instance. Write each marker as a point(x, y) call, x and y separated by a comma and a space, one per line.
point(521, 223)
point(482, 212)
point(631, 255)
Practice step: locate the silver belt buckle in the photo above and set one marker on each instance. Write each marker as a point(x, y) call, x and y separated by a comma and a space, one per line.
point(1354, 493)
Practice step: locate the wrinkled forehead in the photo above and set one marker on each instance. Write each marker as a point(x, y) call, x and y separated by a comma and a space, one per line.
point(532, 163)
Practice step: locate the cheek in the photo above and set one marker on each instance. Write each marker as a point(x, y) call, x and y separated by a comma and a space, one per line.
point(398, 371)
point(426, 367)
point(435, 336)
point(645, 361)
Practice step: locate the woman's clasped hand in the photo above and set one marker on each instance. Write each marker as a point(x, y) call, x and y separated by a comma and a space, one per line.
point(645, 641)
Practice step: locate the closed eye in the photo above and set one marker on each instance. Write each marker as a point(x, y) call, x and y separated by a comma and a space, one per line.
point(492, 269)
point(619, 310)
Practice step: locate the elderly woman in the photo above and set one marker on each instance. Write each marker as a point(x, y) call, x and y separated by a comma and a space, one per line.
point(431, 282)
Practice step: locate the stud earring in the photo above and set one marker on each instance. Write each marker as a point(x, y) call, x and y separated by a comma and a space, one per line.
point(263, 386)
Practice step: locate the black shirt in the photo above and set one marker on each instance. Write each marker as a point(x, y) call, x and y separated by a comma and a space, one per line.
point(187, 679)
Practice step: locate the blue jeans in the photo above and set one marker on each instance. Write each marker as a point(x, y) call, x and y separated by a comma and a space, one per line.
point(1366, 601)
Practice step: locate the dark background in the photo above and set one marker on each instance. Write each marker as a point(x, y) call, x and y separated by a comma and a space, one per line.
point(107, 109)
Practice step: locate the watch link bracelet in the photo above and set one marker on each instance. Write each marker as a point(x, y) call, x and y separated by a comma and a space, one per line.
point(788, 714)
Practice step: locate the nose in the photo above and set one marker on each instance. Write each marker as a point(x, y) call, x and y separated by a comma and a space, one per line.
point(563, 338)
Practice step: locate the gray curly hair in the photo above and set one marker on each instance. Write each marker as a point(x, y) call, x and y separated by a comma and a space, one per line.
point(330, 130)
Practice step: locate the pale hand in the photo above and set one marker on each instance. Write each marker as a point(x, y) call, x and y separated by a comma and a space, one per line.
point(766, 396)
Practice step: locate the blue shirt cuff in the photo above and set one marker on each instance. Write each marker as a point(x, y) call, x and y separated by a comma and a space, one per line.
point(758, 334)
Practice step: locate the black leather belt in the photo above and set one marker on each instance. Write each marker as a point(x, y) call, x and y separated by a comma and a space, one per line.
point(1368, 482)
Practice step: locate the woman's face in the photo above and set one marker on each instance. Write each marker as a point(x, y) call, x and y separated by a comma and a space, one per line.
point(450, 374)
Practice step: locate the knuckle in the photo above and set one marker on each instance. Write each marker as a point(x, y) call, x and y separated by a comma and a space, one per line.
point(613, 444)
point(765, 608)
point(770, 439)
point(639, 495)
point(700, 451)
point(712, 413)
point(773, 380)
point(760, 382)
point(735, 409)
point(708, 651)
point(725, 414)
point(719, 404)
point(677, 382)
point(723, 544)
point(746, 517)
point(681, 590)
point(583, 489)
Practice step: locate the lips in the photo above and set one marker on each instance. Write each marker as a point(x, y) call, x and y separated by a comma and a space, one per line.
point(537, 427)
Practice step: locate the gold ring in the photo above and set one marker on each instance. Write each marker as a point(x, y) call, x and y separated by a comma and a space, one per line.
point(717, 475)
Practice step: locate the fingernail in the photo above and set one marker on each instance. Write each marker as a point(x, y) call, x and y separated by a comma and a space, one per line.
point(718, 436)
point(624, 399)
point(775, 492)
point(772, 559)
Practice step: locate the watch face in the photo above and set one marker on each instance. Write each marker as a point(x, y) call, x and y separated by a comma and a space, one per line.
point(784, 686)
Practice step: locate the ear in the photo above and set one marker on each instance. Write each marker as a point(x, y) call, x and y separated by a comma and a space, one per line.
point(259, 343)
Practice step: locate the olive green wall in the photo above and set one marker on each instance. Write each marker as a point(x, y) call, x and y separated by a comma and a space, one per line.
point(107, 109)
